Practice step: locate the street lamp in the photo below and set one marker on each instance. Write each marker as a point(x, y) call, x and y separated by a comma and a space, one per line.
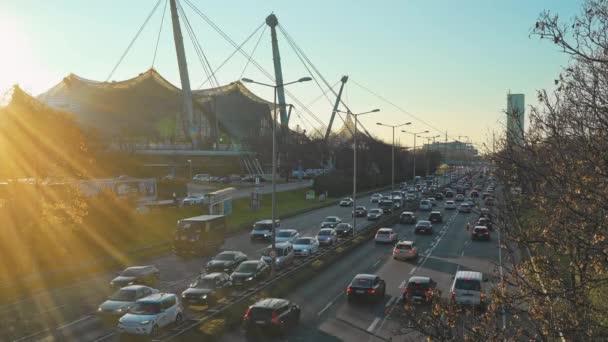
point(393, 153)
point(274, 162)
point(426, 154)
point(190, 164)
point(356, 116)
point(414, 152)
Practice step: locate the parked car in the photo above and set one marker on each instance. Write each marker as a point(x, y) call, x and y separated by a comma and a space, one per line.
point(194, 199)
point(346, 202)
point(386, 235)
point(419, 290)
point(273, 315)
point(327, 236)
point(405, 250)
point(121, 301)
point(225, 261)
point(305, 246)
point(467, 289)
point(407, 217)
point(284, 257)
point(435, 217)
point(376, 198)
point(137, 275)
point(367, 287)
point(374, 214)
point(450, 205)
point(360, 211)
point(249, 272)
point(344, 229)
point(286, 235)
point(423, 227)
point(151, 314)
point(262, 230)
point(480, 233)
point(464, 208)
point(330, 222)
point(208, 289)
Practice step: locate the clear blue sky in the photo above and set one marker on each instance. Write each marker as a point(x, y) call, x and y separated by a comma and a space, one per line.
point(450, 63)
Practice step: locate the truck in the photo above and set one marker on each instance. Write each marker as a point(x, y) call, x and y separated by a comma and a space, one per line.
point(199, 235)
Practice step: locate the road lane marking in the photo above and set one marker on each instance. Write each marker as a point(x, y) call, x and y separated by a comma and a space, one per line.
point(390, 302)
point(104, 337)
point(376, 263)
point(331, 302)
point(31, 335)
point(373, 325)
point(402, 285)
point(462, 253)
point(74, 322)
point(412, 271)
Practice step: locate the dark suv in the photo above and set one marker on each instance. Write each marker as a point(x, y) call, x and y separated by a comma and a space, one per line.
point(272, 315)
point(435, 217)
point(419, 290)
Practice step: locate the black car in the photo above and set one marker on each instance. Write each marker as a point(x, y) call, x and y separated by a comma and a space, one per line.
point(208, 288)
point(449, 194)
point(249, 272)
point(137, 275)
point(274, 315)
point(419, 290)
point(366, 286)
point(435, 217)
point(344, 229)
point(360, 211)
point(226, 261)
point(439, 197)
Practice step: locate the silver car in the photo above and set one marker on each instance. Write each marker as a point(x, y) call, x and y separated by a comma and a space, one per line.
point(122, 300)
point(330, 222)
point(327, 236)
point(286, 235)
point(305, 246)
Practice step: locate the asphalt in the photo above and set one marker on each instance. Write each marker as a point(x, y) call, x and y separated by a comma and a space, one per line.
point(68, 313)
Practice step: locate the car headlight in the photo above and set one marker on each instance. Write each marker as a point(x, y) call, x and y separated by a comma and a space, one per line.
point(204, 296)
point(145, 322)
point(131, 283)
point(249, 279)
point(99, 309)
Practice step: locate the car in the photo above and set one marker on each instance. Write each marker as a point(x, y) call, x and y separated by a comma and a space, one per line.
point(480, 233)
point(376, 197)
point(201, 177)
point(195, 199)
point(459, 198)
point(450, 205)
point(366, 287)
point(225, 261)
point(405, 250)
point(449, 194)
point(208, 289)
point(467, 289)
point(423, 227)
point(150, 314)
point(330, 222)
point(360, 211)
point(305, 246)
point(262, 230)
point(407, 217)
point(432, 200)
point(435, 217)
point(271, 315)
point(419, 290)
point(385, 235)
point(386, 204)
point(474, 194)
point(485, 195)
point(249, 272)
point(374, 214)
point(327, 236)
point(284, 256)
point(137, 275)
point(425, 205)
point(119, 302)
point(346, 202)
point(439, 196)
point(344, 229)
point(286, 235)
point(484, 221)
point(464, 208)
point(489, 201)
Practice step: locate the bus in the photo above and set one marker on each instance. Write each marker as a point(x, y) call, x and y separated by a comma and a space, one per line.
point(199, 235)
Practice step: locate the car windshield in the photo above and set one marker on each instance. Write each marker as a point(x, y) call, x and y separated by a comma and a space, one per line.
point(124, 295)
point(225, 257)
point(467, 284)
point(424, 202)
point(375, 211)
point(360, 208)
point(342, 225)
point(303, 242)
point(403, 247)
point(284, 234)
point(262, 226)
point(331, 219)
point(258, 313)
point(361, 282)
point(480, 230)
point(130, 272)
point(416, 285)
point(325, 232)
point(384, 232)
point(204, 283)
point(146, 308)
point(248, 267)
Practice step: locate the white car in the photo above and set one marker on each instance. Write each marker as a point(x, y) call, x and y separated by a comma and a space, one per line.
point(426, 205)
point(386, 235)
point(405, 250)
point(330, 222)
point(201, 177)
point(122, 300)
point(151, 314)
point(346, 202)
point(327, 236)
point(450, 205)
point(376, 198)
point(286, 235)
point(305, 246)
point(193, 199)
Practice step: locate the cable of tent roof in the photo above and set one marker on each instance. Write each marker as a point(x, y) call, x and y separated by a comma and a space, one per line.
point(141, 28)
point(162, 20)
point(253, 51)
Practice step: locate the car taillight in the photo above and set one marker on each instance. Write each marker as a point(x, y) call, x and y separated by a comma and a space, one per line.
point(371, 291)
point(428, 293)
point(412, 251)
point(486, 233)
point(395, 250)
point(453, 294)
point(483, 296)
point(275, 318)
point(247, 314)
point(405, 290)
point(349, 290)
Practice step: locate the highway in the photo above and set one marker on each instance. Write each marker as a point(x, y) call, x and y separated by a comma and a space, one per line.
point(69, 313)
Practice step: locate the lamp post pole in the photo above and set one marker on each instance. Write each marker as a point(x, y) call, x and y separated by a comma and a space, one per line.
point(273, 252)
point(414, 153)
point(393, 153)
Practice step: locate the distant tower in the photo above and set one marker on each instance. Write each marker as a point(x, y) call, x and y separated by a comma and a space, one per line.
point(516, 109)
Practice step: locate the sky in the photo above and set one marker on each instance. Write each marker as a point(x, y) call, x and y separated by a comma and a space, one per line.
point(446, 65)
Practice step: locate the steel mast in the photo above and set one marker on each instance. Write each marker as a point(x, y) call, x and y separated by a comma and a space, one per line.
point(272, 21)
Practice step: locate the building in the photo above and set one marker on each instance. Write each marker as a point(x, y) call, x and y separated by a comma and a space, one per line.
point(515, 118)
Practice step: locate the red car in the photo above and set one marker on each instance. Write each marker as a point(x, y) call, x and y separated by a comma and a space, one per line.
point(423, 227)
point(480, 233)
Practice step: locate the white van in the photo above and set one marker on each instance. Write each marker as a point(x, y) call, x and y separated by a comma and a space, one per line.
point(467, 289)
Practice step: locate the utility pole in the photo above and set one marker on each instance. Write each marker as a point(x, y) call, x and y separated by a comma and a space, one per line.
point(189, 126)
point(272, 21)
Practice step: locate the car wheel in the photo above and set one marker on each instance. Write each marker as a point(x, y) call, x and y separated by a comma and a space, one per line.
point(178, 318)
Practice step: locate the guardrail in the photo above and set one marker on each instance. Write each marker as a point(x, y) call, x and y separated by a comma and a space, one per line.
point(217, 310)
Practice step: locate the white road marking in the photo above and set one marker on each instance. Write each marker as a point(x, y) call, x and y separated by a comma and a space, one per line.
point(373, 325)
point(376, 263)
point(462, 253)
point(412, 271)
point(402, 285)
point(104, 337)
point(31, 335)
point(74, 322)
point(331, 302)
point(390, 302)
point(430, 251)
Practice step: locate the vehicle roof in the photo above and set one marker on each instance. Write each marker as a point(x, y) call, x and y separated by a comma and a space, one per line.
point(133, 287)
point(202, 218)
point(325, 229)
point(270, 303)
point(332, 217)
point(405, 242)
point(230, 252)
point(287, 230)
point(141, 268)
point(423, 222)
point(211, 275)
point(156, 298)
point(418, 279)
point(436, 212)
point(407, 212)
point(266, 221)
point(386, 229)
point(376, 209)
point(365, 276)
point(469, 275)
point(450, 201)
point(481, 227)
